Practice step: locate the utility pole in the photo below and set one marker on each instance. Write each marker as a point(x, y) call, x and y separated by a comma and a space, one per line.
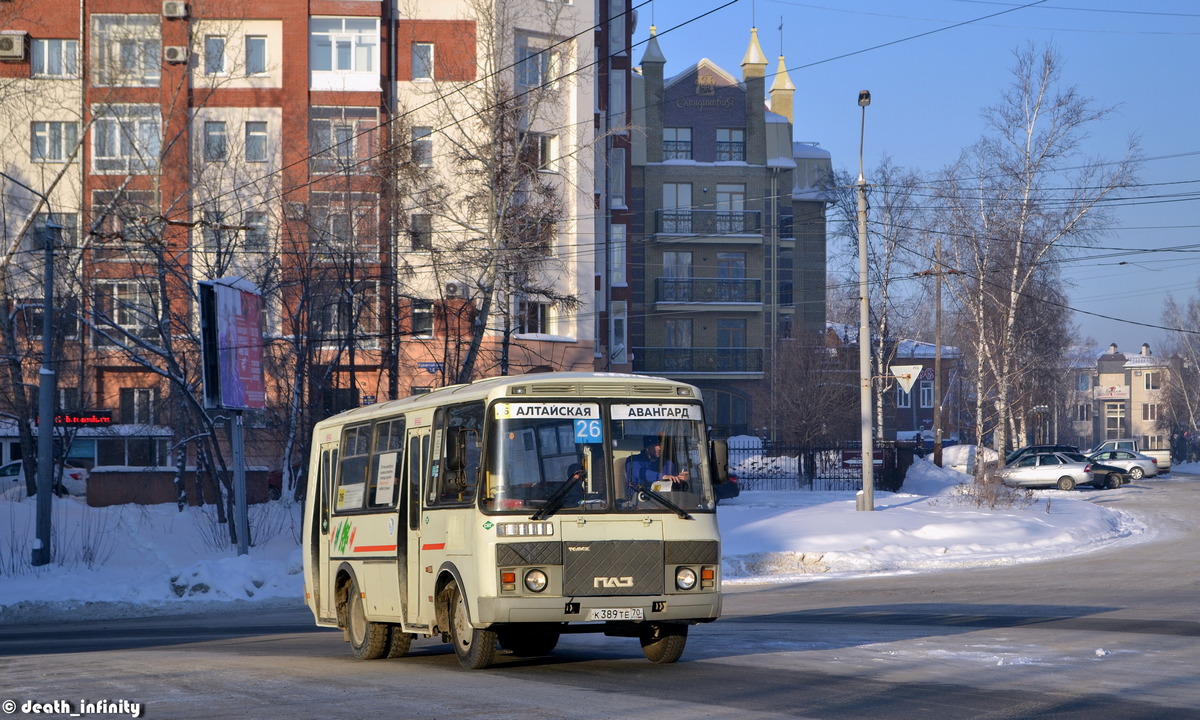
point(937, 359)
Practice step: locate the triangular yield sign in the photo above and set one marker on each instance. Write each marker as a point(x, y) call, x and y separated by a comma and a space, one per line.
point(906, 375)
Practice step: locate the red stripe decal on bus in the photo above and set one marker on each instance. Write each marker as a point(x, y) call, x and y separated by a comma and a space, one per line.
point(434, 546)
point(375, 548)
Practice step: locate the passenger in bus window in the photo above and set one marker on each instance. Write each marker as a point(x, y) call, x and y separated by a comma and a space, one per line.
point(649, 466)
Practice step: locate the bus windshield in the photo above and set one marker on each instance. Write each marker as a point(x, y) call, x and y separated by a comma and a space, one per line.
point(596, 457)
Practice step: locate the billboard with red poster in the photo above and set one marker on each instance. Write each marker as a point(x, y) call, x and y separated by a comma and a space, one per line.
point(231, 327)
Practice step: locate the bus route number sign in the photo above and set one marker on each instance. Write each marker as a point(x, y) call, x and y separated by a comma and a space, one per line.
point(588, 431)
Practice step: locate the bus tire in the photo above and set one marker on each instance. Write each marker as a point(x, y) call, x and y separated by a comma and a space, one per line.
point(474, 647)
point(529, 643)
point(398, 642)
point(368, 639)
point(663, 642)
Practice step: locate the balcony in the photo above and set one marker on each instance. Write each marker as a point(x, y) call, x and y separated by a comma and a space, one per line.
point(747, 362)
point(708, 290)
point(719, 225)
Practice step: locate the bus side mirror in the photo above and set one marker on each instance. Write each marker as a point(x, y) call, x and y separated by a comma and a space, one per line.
point(456, 459)
point(718, 458)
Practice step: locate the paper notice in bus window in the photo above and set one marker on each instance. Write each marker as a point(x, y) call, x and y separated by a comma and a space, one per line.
point(533, 411)
point(350, 496)
point(656, 411)
point(385, 479)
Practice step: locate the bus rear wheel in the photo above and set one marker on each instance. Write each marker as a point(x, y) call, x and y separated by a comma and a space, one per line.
point(368, 639)
point(398, 642)
point(663, 643)
point(474, 647)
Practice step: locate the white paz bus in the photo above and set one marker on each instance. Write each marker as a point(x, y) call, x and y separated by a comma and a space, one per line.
point(506, 512)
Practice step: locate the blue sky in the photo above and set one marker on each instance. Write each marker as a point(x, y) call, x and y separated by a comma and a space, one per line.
point(930, 75)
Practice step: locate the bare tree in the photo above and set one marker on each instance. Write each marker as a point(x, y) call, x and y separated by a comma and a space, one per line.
point(1017, 201)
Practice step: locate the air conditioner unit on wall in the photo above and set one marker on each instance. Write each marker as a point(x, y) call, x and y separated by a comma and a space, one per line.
point(175, 53)
point(174, 9)
point(456, 289)
point(12, 46)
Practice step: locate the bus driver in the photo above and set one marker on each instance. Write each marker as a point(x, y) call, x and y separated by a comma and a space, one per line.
point(649, 466)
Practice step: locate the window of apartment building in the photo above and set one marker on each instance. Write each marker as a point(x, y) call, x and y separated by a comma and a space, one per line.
point(677, 333)
point(420, 231)
point(677, 204)
point(903, 398)
point(731, 206)
point(537, 150)
point(618, 342)
point(340, 138)
point(349, 309)
point(731, 333)
point(422, 318)
point(422, 146)
point(214, 236)
point(214, 54)
point(256, 54)
point(343, 223)
point(126, 50)
point(257, 231)
point(343, 52)
point(616, 177)
point(120, 223)
point(1114, 420)
point(1083, 412)
point(534, 66)
point(53, 141)
point(1083, 382)
point(618, 236)
point(126, 138)
point(1150, 412)
point(731, 144)
point(216, 146)
point(422, 61)
point(926, 393)
point(139, 406)
point(1152, 379)
point(256, 141)
point(127, 305)
point(54, 58)
point(533, 316)
point(677, 143)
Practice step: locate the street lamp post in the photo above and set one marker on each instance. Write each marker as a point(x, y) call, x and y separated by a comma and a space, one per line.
point(866, 500)
point(46, 386)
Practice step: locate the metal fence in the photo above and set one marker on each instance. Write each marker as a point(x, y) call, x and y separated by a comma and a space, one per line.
point(831, 467)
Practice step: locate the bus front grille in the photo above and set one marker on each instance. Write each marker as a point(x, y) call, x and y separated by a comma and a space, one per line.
point(615, 567)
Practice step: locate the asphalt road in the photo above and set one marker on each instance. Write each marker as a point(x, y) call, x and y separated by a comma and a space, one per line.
point(1110, 634)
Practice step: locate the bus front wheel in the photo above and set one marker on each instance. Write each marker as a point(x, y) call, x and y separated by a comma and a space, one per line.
point(663, 643)
point(368, 639)
point(474, 647)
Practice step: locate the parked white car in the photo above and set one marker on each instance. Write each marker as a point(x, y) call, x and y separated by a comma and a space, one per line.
point(74, 479)
point(1138, 465)
point(1050, 470)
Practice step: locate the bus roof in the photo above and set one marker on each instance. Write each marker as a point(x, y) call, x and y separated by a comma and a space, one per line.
point(553, 383)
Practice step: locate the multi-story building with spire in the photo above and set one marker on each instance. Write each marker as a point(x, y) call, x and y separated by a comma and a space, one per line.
point(727, 255)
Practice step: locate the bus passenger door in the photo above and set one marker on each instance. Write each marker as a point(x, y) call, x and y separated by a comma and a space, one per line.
point(413, 578)
point(321, 528)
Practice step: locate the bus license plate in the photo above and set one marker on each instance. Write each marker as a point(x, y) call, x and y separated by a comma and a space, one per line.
point(615, 614)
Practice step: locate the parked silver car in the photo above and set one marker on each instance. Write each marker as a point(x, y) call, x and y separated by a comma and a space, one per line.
point(1055, 470)
point(1135, 463)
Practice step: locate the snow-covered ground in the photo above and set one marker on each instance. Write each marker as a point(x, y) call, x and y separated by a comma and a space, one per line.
point(133, 560)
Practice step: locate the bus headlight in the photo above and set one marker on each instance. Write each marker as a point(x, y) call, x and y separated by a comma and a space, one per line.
point(536, 581)
point(685, 578)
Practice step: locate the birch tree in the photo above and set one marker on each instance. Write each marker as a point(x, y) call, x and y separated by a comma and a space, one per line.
point(1019, 200)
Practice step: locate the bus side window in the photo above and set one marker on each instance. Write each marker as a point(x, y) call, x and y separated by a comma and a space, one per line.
point(386, 464)
point(352, 480)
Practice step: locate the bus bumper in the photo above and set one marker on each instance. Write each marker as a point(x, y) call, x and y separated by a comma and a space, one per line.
point(699, 607)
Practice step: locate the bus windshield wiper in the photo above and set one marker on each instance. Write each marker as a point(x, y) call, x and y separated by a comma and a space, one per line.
point(667, 504)
point(555, 501)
